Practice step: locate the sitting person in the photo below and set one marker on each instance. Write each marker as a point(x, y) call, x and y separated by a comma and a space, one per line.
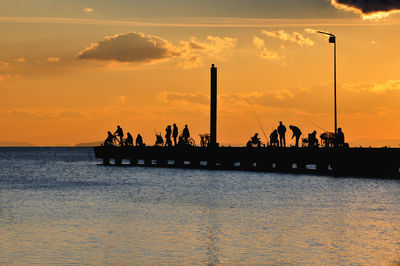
point(273, 138)
point(248, 144)
point(109, 139)
point(129, 140)
point(139, 140)
point(312, 139)
point(256, 140)
point(181, 141)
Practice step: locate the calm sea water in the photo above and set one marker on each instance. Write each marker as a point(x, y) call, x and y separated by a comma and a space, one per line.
point(59, 206)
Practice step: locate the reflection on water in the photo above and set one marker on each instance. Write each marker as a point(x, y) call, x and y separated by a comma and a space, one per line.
point(57, 206)
point(211, 223)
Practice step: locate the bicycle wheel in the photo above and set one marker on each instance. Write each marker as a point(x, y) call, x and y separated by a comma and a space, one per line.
point(191, 142)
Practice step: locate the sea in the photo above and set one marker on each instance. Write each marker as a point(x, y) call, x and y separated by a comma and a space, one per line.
point(60, 206)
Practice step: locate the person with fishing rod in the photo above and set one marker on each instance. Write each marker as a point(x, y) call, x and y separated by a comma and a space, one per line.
point(256, 140)
point(296, 133)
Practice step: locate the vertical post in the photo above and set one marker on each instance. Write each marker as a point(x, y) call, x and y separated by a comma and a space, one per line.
point(213, 107)
point(332, 39)
point(335, 86)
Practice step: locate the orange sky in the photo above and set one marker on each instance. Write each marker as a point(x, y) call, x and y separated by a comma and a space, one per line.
point(68, 74)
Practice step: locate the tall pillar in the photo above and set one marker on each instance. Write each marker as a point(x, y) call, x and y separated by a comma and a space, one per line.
point(213, 107)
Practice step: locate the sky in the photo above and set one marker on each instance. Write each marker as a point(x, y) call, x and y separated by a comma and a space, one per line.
point(71, 70)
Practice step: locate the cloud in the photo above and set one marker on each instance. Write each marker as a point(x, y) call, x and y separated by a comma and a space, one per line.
point(316, 101)
point(213, 46)
point(295, 37)
point(19, 60)
point(122, 98)
point(308, 30)
point(39, 114)
point(129, 47)
point(188, 22)
point(390, 85)
point(9, 76)
point(88, 9)
point(53, 59)
point(183, 98)
point(4, 64)
point(369, 9)
point(192, 61)
point(136, 47)
point(70, 114)
point(264, 52)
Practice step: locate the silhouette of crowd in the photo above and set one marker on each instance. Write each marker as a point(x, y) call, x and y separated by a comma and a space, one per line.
point(277, 138)
point(117, 139)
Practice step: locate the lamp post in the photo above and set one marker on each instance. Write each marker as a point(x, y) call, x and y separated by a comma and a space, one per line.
point(332, 39)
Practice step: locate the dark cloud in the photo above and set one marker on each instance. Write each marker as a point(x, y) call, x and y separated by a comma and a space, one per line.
point(368, 7)
point(139, 47)
point(129, 47)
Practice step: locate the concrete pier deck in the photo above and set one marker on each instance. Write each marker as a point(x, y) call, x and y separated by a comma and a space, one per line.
point(358, 162)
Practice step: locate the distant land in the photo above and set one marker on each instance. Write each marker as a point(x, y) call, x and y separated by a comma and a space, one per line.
point(89, 144)
point(15, 144)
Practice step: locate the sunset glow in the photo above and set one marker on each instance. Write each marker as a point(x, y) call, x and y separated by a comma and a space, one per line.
point(71, 71)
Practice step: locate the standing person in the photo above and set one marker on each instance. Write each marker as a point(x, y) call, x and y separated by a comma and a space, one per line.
point(185, 134)
point(296, 133)
point(282, 132)
point(168, 133)
point(175, 134)
point(120, 134)
point(339, 138)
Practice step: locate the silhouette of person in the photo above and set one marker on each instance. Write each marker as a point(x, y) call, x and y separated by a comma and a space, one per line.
point(296, 133)
point(139, 140)
point(248, 144)
point(180, 140)
point(109, 139)
point(282, 132)
point(175, 134)
point(273, 138)
point(120, 134)
point(185, 134)
point(129, 140)
point(340, 138)
point(168, 133)
point(312, 139)
point(256, 140)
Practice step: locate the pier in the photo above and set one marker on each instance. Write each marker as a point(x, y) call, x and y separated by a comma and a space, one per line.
point(358, 162)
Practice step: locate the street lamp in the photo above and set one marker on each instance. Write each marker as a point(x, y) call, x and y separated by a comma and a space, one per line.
point(332, 39)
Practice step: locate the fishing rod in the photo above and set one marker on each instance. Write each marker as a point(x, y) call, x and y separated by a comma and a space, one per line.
point(317, 126)
point(261, 128)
